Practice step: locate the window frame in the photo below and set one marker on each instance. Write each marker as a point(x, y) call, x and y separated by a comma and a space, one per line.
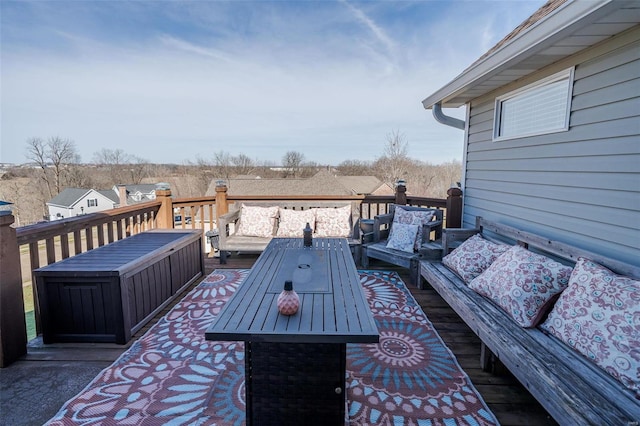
point(567, 74)
point(95, 202)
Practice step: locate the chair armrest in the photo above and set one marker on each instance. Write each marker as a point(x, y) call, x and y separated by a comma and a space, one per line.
point(223, 226)
point(429, 227)
point(452, 237)
point(381, 224)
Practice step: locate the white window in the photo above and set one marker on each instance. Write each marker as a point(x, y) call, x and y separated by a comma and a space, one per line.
point(542, 107)
point(92, 202)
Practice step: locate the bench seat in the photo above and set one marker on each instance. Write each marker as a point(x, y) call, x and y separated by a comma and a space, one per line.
point(570, 387)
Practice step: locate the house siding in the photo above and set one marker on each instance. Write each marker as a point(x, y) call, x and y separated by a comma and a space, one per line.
point(581, 186)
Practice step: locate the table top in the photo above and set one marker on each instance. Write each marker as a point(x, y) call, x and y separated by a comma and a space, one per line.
point(333, 307)
point(113, 258)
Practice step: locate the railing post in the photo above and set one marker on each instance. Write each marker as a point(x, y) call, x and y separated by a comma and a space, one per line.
point(13, 329)
point(164, 220)
point(401, 193)
point(222, 205)
point(454, 207)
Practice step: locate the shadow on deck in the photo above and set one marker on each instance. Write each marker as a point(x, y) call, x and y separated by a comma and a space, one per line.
point(33, 389)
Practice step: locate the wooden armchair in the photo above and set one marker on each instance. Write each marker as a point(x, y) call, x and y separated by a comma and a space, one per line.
point(430, 246)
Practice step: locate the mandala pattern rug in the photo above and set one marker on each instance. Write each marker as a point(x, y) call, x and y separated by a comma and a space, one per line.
point(173, 376)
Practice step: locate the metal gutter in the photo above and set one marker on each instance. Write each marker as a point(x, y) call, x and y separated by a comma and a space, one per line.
point(445, 119)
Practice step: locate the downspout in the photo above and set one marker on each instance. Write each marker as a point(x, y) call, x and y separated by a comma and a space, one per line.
point(445, 119)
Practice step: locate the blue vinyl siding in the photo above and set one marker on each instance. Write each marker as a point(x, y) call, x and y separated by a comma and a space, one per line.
point(581, 186)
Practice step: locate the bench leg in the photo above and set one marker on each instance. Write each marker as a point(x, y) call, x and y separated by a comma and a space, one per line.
point(490, 362)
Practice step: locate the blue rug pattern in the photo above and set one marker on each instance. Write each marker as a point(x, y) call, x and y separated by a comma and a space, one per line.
point(173, 376)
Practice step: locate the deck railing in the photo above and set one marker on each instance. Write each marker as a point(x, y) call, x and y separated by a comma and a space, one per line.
point(24, 249)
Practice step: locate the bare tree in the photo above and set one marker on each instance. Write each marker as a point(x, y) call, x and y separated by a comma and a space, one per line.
point(223, 165)
point(243, 164)
point(292, 163)
point(122, 167)
point(138, 169)
point(355, 168)
point(52, 158)
point(394, 162)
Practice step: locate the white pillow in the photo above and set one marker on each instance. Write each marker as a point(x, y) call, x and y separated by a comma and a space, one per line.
point(292, 222)
point(403, 237)
point(257, 221)
point(332, 222)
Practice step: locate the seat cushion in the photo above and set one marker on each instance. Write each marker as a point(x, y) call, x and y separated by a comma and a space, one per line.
point(332, 222)
point(598, 315)
point(403, 237)
point(292, 222)
point(257, 221)
point(473, 257)
point(413, 217)
point(524, 284)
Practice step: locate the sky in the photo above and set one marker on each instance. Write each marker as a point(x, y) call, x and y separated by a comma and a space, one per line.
point(179, 81)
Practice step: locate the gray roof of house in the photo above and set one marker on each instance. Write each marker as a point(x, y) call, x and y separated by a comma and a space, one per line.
point(110, 194)
point(144, 188)
point(68, 197)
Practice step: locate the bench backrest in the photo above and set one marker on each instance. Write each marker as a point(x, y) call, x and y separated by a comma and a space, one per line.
point(306, 204)
point(570, 254)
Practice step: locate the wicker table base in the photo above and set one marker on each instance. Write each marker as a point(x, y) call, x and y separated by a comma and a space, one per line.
point(295, 383)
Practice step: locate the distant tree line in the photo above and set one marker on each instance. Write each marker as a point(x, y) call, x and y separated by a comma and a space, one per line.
point(56, 165)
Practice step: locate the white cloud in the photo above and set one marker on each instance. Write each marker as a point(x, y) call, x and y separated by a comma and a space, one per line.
point(205, 78)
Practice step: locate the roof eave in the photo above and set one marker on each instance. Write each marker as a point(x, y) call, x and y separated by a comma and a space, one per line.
point(562, 22)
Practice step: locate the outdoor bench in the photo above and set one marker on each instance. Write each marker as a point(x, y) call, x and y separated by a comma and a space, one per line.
point(231, 240)
point(572, 388)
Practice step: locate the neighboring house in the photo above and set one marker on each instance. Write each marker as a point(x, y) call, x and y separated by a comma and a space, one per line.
point(5, 207)
point(77, 201)
point(322, 183)
point(552, 129)
point(138, 193)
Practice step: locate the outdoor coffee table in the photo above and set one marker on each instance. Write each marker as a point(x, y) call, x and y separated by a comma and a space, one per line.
point(295, 365)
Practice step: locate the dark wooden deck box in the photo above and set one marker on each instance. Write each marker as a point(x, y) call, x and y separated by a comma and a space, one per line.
point(109, 293)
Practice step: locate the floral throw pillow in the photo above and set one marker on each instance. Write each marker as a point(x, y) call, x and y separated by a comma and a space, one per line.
point(292, 222)
point(473, 256)
point(599, 316)
point(257, 221)
point(403, 237)
point(332, 222)
point(523, 283)
point(413, 217)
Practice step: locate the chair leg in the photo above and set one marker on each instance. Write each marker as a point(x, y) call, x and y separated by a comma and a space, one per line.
point(223, 256)
point(364, 259)
point(414, 272)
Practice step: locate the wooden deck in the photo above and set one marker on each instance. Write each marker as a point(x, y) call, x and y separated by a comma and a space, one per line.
point(26, 387)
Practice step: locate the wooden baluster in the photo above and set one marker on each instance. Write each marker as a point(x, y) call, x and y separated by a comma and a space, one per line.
point(64, 245)
point(77, 242)
point(88, 232)
point(100, 230)
point(120, 230)
point(51, 250)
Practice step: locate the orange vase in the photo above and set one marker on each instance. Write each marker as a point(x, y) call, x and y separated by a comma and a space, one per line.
point(288, 300)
